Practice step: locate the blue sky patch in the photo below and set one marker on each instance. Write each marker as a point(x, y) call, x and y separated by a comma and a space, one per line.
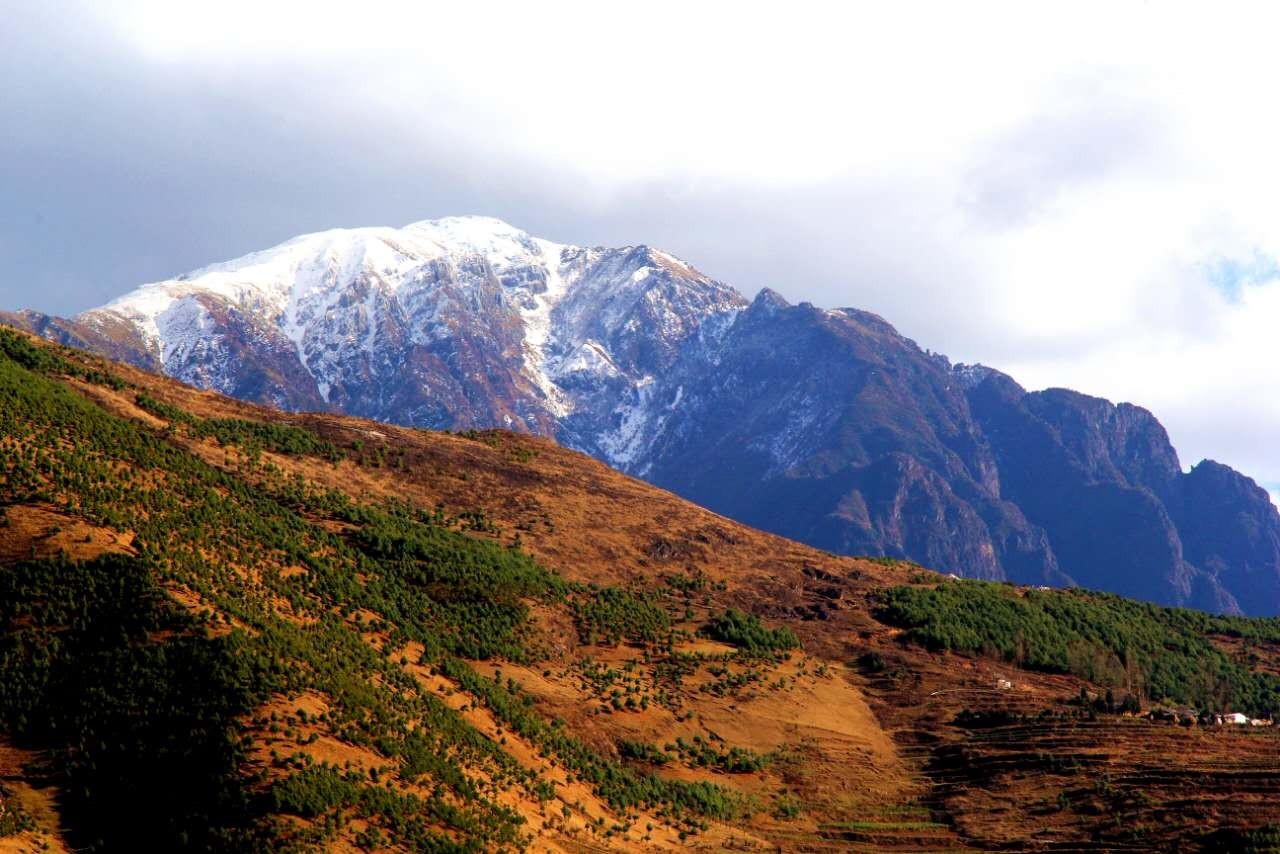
point(1232, 275)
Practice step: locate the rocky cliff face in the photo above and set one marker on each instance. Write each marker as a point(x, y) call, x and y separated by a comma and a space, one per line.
point(829, 427)
point(822, 425)
point(1227, 524)
point(1095, 477)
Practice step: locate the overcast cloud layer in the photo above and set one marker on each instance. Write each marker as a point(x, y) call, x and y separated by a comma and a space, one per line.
point(1084, 197)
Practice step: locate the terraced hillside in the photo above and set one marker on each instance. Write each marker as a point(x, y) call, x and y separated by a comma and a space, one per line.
point(225, 628)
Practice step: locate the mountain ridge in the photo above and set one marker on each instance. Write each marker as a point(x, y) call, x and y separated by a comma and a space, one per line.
point(824, 425)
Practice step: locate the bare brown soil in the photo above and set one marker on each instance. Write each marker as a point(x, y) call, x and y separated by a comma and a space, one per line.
point(33, 795)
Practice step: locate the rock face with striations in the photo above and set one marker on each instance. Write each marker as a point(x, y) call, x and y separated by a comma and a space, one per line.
point(823, 425)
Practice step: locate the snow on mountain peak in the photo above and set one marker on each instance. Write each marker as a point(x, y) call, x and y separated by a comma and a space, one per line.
point(486, 302)
point(498, 242)
point(971, 376)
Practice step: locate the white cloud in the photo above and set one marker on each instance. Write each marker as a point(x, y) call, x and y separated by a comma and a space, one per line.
point(624, 92)
point(1052, 190)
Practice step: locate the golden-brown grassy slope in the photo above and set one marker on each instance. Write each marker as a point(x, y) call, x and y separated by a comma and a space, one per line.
point(872, 761)
point(591, 524)
point(831, 758)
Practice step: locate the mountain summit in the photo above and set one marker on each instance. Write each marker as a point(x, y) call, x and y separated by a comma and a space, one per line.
point(826, 426)
point(463, 321)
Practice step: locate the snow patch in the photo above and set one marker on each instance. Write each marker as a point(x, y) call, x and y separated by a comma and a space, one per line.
point(536, 313)
point(501, 244)
point(623, 445)
point(182, 327)
point(971, 376)
point(590, 357)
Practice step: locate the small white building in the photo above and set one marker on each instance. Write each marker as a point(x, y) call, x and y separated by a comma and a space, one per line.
point(1235, 719)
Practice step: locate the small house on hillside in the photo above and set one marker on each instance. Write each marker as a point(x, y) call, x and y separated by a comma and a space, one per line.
point(1184, 715)
point(1234, 719)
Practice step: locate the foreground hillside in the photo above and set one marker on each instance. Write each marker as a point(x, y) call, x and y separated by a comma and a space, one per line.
point(225, 628)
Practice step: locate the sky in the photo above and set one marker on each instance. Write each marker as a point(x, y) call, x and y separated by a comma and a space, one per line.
point(1082, 195)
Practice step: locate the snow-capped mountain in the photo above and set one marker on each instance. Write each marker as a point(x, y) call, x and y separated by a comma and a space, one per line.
point(454, 322)
point(823, 425)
